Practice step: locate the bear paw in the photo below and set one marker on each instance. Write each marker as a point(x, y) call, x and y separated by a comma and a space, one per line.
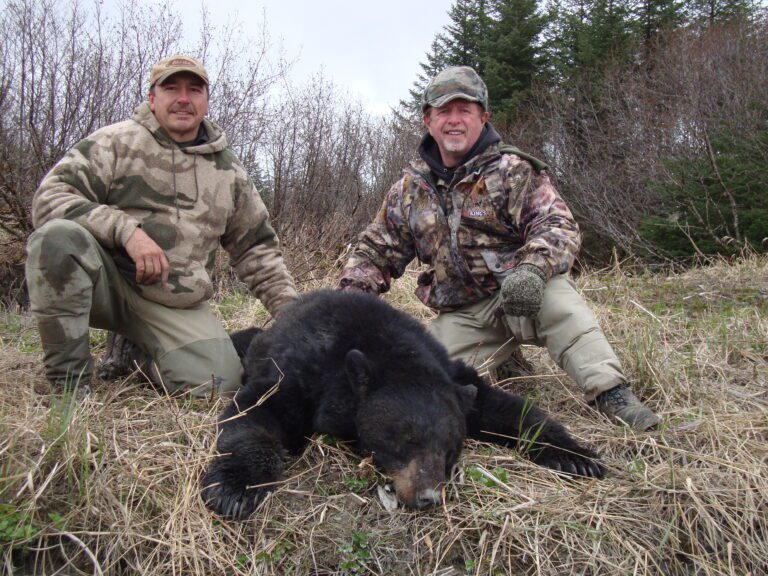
point(231, 504)
point(227, 491)
point(583, 462)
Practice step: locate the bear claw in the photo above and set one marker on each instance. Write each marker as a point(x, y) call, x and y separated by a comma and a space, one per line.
point(230, 505)
point(585, 466)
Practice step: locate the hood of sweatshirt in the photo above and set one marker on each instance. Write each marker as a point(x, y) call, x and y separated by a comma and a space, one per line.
point(216, 142)
point(430, 152)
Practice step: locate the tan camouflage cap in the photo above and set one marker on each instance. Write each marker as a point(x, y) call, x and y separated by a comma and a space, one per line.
point(452, 83)
point(166, 67)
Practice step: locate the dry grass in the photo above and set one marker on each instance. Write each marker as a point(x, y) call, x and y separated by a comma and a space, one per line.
point(110, 485)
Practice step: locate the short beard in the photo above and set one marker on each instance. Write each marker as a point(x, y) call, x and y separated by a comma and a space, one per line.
point(453, 146)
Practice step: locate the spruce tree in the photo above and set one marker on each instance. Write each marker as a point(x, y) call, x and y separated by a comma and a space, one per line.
point(708, 12)
point(459, 44)
point(582, 35)
point(510, 55)
point(655, 16)
point(467, 32)
point(436, 60)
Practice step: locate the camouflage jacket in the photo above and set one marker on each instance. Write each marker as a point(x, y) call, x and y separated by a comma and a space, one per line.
point(496, 213)
point(188, 200)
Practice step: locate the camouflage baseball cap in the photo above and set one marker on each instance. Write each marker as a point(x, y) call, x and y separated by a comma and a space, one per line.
point(452, 83)
point(171, 65)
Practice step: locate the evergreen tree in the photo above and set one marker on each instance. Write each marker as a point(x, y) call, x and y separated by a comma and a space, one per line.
point(467, 32)
point(436, 60)
point(655, 16)
point(583, 34)
point(510, 55)
point(715, 203)
point(557, 41)
point(708, 12)
point(459, 44)
point(610, 31)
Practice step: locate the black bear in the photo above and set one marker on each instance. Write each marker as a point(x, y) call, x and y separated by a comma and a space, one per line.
point(350, 365)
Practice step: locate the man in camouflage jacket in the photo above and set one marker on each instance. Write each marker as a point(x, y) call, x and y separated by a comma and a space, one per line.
point(127, 227)
point(499, 242)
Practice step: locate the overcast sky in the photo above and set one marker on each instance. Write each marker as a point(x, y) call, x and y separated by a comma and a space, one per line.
point(372, 49)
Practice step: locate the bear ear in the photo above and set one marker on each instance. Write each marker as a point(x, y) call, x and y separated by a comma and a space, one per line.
point(463, 374)
point(358, 372)
point(466, 395)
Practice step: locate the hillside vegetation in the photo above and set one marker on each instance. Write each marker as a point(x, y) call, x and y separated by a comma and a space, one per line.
point(653, 116)
point(110, 485)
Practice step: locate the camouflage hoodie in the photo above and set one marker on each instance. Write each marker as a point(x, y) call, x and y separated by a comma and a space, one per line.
point(188, 200)
point(494, 212)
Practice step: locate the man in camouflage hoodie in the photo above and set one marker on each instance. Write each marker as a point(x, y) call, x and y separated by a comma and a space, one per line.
point(127, 227)
point(499, 242)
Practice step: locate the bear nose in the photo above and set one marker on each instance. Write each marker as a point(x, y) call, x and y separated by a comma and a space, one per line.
point(428, 498)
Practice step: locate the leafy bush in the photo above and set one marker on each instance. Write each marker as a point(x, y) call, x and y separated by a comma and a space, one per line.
point(715, 202)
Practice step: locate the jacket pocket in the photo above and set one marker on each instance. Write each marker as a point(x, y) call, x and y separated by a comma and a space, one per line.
point(188, 285)
point(499, 263)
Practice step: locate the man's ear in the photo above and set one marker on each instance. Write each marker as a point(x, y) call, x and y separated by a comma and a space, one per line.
point(151, 100)
point(358, 372)
point(426, 118)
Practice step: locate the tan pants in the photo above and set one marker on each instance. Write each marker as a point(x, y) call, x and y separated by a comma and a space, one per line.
point(481, 334)
point(74, 283)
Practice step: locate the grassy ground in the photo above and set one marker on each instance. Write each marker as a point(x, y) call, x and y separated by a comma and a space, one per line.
point(110, 485)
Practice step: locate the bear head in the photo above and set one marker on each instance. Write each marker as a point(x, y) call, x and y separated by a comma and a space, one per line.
point(413, 424)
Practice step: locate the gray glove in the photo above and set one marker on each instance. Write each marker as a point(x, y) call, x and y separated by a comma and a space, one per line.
point(523, 290)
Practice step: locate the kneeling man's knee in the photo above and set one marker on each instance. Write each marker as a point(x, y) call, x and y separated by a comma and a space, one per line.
point(204, 368)
point(51, 249)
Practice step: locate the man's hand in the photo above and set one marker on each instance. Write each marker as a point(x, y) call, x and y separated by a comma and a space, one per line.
point(150, 260)
point(523, 290)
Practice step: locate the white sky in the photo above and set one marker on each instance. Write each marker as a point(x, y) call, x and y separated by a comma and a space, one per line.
point(371, 49)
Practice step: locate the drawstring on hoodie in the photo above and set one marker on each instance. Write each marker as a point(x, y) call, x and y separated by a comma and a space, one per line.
point(175, 192)
point(194, 171)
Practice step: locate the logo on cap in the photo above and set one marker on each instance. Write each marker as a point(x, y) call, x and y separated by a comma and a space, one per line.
point(171, 65)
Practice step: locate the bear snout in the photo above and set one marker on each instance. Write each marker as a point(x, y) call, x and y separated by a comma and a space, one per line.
point(419, 484)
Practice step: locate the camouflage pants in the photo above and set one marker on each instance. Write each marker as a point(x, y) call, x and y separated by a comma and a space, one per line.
point(73, 284)
point(481, 334)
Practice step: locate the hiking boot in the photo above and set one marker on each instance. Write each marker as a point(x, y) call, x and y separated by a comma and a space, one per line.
point(516, 366)
point(123, 357)
point(621, 405)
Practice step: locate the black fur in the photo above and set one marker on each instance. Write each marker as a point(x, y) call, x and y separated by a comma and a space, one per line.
point(242, 340)
point(350, 365)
